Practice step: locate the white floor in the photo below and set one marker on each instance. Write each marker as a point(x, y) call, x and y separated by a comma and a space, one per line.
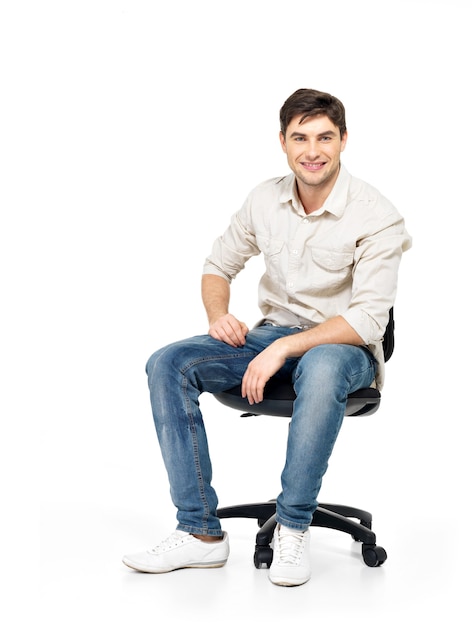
point(85, 583)
point(122, 506)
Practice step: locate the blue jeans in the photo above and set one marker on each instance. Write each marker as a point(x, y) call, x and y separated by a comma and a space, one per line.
point(323, 377)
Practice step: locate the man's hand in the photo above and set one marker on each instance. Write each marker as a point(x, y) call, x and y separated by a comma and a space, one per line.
point(260, 369)
point(230, 330)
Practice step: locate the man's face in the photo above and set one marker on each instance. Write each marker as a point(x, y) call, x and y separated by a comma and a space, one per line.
point(313, 150)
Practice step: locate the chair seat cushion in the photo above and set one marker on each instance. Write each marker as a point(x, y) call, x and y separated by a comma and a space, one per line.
point(279, 396)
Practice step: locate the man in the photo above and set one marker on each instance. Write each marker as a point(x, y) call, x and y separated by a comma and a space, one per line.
point(332, 246)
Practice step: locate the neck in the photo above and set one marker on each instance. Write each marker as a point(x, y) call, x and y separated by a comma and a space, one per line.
point(312, 198)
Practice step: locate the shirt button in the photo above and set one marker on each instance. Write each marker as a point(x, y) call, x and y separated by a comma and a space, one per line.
point(294, 251)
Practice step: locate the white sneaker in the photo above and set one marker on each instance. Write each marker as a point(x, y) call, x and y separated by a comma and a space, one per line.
point(290, 563)
point(180, 550)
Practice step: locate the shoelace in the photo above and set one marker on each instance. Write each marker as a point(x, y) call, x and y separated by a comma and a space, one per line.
point(173, 540)
point(291, 547)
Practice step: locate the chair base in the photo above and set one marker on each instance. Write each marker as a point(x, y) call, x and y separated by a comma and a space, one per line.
point(335, 516)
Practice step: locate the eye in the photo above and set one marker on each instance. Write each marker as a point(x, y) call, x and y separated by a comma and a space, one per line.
point(326, 138)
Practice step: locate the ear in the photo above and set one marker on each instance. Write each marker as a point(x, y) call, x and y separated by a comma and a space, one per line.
point(343, 141)
point(282, 142)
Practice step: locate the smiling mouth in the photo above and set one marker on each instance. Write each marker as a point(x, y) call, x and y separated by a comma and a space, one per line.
point(312, 167)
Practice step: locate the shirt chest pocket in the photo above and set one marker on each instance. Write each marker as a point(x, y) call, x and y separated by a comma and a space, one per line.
point(331, 269)
point(272, 250)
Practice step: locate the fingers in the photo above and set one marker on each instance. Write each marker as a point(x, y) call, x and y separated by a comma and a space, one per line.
point(253, 384)
point(253, 390)
point(260, 370)
point(230, 330)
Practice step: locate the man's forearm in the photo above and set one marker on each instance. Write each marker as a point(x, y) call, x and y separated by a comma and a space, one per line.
point(215, 296)
point(335, 330)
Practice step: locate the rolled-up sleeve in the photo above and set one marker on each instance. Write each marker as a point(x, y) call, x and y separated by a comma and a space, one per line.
point(375, 279)
point(232, 250)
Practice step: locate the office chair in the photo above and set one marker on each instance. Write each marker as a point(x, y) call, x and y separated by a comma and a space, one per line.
point(278, 401)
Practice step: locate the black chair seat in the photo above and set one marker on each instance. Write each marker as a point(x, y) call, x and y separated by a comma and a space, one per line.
point(279, 396)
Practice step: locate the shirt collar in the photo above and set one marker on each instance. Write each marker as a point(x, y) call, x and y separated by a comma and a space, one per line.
point(335, 203)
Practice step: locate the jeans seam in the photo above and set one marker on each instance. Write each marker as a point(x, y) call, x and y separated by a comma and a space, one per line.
point(196, 457)
point(370, 369)
point(204, 359)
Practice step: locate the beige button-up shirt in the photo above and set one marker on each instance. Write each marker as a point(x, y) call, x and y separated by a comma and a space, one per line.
point(340, 260)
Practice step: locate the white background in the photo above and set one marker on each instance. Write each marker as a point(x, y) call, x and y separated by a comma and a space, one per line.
point(130, 131)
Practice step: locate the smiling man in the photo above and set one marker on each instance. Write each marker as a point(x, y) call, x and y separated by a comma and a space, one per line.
point(332, 245)
point(313, 147)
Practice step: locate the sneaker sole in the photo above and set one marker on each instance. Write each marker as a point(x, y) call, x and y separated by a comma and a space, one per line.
point(173, 569)
point(281, 582)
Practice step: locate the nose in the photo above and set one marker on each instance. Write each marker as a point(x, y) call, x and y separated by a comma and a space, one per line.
point(312, 150)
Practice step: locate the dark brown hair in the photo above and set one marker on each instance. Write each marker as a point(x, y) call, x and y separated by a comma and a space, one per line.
point(310, 103)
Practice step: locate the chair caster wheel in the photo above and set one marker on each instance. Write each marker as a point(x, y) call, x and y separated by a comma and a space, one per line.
point(263, 556)
point(373, 556)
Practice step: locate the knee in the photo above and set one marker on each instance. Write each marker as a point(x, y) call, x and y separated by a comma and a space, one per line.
point(164, 359)
point(175, 357)
point(151, 362)
point(323, 365)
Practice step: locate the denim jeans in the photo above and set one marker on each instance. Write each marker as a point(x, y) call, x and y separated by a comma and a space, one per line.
point(323, 377)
